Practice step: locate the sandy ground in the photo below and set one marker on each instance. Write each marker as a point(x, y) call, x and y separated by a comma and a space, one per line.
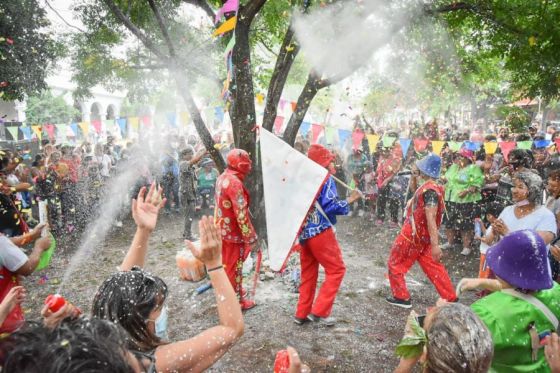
point(363, 340)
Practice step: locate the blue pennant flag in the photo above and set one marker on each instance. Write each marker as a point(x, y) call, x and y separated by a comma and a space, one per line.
point(343, 136)
point(219, 113)
point(122, 125)
point(405, 144)
point(304, 128)
point(26, 132)
point(172, 119)
point(471, 145)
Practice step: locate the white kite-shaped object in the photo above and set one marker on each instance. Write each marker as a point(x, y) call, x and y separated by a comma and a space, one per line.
point(291, 183)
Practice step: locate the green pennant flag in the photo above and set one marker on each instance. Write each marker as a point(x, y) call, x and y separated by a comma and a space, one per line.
point(455, 145)
point(329, 134)
point(388, 141)
point(109, 124)
point(62, 130)
point(525, 145)
point(13, 130)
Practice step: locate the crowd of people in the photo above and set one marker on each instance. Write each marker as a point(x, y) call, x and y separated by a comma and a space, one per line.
point(503, 206)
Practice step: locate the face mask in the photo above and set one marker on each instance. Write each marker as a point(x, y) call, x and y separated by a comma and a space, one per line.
point(161, 324)
point(525, 202)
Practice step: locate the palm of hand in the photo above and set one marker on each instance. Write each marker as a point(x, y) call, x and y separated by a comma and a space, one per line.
point(146, 215)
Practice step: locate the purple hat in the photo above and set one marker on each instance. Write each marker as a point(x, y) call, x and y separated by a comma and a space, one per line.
point(521, 259)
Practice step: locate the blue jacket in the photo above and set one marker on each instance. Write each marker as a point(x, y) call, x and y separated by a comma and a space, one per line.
point(331, 205)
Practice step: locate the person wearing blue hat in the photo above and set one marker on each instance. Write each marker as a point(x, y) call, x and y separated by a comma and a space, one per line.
point(418, 240)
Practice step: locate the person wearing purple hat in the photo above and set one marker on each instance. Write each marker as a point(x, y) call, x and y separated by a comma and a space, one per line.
point(524, 305)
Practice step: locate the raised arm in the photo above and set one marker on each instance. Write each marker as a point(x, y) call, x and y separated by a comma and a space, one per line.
point(199, 353)
point(145, 210)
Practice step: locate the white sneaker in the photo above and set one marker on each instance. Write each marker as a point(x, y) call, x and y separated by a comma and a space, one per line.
point(466, 251)
point(447, 246)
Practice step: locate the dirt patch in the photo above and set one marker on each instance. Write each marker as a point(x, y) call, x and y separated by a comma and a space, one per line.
point(364, 339)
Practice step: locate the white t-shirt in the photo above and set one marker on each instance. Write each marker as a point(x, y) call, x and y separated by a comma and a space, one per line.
point(105, 162)
point(11, 256)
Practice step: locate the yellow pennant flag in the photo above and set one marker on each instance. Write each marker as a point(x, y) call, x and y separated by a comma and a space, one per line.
point(38, 131)
point(184, 116)
point(134, 122)
point(437, 146)
point(85, 128)
point(260, 98)
point(226, 26)
point(490, 147)
point(372, 141)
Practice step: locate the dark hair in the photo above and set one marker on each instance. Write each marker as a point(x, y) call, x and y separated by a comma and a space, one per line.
point(494, 209)
point(80, 345)
point(127, 298)
point(521, 157)
point(554, 174)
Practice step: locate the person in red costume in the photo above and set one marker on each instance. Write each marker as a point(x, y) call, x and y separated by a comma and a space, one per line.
point(319, 246)
point(418, 239)
point(232, 217)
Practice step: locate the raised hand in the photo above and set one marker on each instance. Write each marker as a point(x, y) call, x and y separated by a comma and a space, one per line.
point(210, 250)
point(145, 208)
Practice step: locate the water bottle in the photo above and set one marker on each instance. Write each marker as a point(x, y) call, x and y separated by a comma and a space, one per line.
point(477, 229)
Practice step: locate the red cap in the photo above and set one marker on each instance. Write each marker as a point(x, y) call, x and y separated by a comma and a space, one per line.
point(55, 302)
point(319, 154)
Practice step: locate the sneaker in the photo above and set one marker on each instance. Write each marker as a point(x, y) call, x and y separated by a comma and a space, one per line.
point(466, 251)
point(399, 302)
point(247, 304)
point(299, 321)
point(327, 321)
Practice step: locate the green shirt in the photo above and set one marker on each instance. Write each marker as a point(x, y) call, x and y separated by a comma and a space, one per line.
point(508, 320)
point(460, 179)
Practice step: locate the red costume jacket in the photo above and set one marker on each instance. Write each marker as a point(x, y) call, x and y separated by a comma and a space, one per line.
point(232, 209)
point(415, 227)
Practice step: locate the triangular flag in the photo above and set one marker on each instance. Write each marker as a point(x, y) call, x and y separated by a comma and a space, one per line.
point(388, 141)
point(185, 118)
point(372, 142)
point(539, 144)
point(122, 125)
point(61, 129)
point(147, 121)
point(343, 136)
point(291, 182)
point(229, 46)
point(304, 128)
point(134, 122)
point(282, 104)
point(229, 6)
point(171, 119)
point(226, 26)
point(357, 137)
point(74, 127)
point(490, 147)
point(455, 146)
point(96, 125)
point(84, 127)
point(13, 130)
point(219, 113)
point(50, 130)
point(278, 122)
point(329, 134)
point(260, 98)
point(506, 147)
point(437, 146)
point(38, 131)
point(526, 145)
point(557, 143)
point(472, 145)
point(405, 144)
point(26, 130)
point(109, 124)
point(316, 130)
point(420, 145)
point(294, 105)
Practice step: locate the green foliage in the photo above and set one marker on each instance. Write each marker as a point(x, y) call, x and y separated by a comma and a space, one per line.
point(515, 118)
point(48, 108)
point(26, 50)
point(412, 345)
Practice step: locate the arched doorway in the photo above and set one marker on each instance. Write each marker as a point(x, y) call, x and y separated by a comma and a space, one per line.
point(95, 113)
point(110, 112)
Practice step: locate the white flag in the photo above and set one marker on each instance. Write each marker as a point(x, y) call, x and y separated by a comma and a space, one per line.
point(291, 182)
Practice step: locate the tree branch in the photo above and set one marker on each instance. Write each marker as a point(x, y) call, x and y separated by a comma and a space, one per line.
point(203, 4)
point(147, 67)
point(135, 30)
point(248, 12)
point(162, 27)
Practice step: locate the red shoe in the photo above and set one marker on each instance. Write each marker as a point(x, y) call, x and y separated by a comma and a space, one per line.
point(243, 293)
point(247, 304)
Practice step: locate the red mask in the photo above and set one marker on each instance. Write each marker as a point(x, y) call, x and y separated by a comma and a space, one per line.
point(240, 161)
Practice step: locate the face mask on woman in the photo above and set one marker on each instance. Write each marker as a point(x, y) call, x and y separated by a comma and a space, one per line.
point(161, 324)
point(522, 203)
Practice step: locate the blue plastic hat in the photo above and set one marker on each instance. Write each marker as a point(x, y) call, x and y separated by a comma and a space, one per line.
point(430, 165)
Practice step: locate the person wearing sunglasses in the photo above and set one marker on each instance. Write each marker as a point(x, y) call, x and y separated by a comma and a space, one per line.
point(135, 299)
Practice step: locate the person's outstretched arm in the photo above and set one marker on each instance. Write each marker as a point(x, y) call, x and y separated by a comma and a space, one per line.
point(199, 353)
point(145, 209)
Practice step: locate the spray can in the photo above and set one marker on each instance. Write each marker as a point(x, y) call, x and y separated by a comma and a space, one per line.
point(282, 362)
point(43, 216)
point(56, 301)
point(477, 228)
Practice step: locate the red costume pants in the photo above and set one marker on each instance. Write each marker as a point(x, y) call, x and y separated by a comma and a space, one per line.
point(322, 249)
point(403, 255)
point(233, 256)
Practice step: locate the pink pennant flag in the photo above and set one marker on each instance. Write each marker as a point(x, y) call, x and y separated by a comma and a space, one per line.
point(229, 6)
point(96, 125)
point(316, 130)
point(147, 121)
point(278, 122)
point(282, 104)
point(557, 143)
point(506, 147)
point(50, 130)
point(357, 137)
point(420, 145)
